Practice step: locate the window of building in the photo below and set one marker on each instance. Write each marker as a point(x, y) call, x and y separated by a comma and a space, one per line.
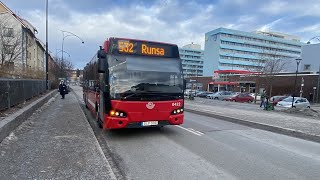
point(261, 40)
point(8, 49)
point(7, 32)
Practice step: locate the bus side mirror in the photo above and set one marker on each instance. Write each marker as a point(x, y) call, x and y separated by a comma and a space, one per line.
point(102, 61)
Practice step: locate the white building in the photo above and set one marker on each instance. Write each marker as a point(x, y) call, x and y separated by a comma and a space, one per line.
point(228, 49)
point(192, 60)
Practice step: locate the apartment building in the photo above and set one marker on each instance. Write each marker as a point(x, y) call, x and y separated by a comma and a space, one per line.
point(228, 49)
point(192, 60)
point(22, 54)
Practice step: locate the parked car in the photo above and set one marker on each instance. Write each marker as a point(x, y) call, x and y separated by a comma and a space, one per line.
point(243, 97)
point(297, 103)
point(220, 95)
point(276, 99)
point(258, 98)
point(187, 92)
point(204, 94)
point(197, 92)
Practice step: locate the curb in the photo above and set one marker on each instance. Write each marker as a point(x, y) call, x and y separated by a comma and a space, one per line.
point(90, 129)
point(11, 122)
point(267, 127)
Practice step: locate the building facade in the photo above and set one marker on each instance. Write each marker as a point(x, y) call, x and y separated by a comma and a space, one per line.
point(307, 83)
point(227, 49)
point(310, 58)
point(192, 60)
point(22, 54)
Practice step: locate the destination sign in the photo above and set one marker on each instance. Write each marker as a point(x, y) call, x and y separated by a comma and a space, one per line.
point(144, 48)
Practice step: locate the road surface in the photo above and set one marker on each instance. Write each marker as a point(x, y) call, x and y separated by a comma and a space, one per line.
point(208, 148)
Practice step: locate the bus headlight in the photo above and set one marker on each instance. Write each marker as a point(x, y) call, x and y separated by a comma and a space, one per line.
point(116, 113)
point(177, 111)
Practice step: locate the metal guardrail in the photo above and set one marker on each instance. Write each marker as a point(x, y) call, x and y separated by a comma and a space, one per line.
point(15, 91)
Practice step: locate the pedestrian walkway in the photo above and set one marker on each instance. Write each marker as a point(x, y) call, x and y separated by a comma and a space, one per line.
point(55, 143)
point(303, 125)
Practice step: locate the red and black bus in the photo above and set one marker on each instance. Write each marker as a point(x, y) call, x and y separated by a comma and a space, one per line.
point(135, 83)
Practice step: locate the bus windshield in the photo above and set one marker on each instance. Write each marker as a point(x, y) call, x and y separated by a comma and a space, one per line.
point(146, 79)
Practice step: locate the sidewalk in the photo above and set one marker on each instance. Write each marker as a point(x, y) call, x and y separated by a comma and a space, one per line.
point(55, 143)
point(301, 127)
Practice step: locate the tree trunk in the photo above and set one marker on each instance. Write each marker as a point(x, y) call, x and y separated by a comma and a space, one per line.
point(270, 92)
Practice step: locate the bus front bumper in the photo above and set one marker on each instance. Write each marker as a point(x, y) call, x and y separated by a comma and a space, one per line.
point(118, 123)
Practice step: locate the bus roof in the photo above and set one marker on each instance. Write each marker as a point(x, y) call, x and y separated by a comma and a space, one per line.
point(144, 41)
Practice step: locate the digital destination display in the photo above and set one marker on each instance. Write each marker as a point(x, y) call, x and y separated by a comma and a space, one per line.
point(144, 48)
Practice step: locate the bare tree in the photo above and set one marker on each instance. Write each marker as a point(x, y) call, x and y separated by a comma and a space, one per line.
point(61, 68)
point(271, 68)
point(10, 44)
point(268, 65)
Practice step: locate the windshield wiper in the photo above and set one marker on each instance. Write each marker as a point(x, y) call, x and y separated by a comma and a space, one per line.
point(131, 95)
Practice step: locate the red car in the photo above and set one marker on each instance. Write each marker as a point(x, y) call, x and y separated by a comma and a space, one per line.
point(276, 99)
point(241, 98)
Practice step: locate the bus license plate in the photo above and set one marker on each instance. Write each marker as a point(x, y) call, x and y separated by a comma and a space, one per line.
point(149, 123)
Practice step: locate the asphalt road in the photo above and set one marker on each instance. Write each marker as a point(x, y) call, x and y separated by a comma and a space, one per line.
point(208, 148)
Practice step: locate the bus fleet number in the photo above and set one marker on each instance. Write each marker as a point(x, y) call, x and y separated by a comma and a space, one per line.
point(176, 104)
point(126, 47)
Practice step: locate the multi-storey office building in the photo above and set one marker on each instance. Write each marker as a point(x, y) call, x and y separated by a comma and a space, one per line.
point(230, 51)
point(192, 60)
point(227, 49)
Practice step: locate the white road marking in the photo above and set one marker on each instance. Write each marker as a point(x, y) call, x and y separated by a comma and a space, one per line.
point(193, 132)
point(196, 131)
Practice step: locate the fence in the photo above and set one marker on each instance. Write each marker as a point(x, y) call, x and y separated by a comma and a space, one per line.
point(15, 91)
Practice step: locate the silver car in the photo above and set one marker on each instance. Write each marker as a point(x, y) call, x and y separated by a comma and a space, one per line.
point(297, 103)
point(222, 95)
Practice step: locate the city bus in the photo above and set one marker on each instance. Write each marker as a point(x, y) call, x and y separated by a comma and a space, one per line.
point(133, 83)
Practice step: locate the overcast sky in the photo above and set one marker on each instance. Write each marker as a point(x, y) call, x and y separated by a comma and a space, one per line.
point(175, 21)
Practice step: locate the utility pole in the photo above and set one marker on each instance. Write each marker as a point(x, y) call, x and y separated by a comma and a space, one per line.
point(47, 54)
point(301, 88)
point(318, 90)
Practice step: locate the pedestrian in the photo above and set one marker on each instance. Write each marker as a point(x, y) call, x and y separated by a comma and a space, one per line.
point(62, 89)
point(263, 99)
point(311, 97)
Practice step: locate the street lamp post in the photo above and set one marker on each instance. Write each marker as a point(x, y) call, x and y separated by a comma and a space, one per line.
point(314, 92)
point(47, 53)
point(301, 88)
point(316, 37)
point(59, 50)
point(66, 34)
point(298, 60)
point(318, 88)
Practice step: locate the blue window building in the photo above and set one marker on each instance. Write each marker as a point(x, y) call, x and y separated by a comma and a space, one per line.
point(227, 49)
